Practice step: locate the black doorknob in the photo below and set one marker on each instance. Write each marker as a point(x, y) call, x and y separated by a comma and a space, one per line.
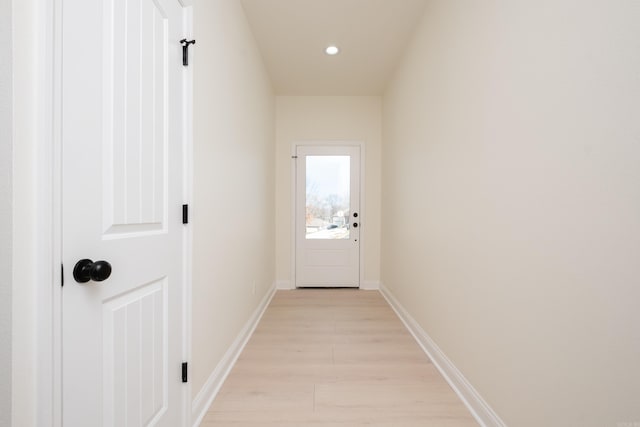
point(86, 270)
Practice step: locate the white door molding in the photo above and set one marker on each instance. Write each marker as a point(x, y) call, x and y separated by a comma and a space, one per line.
point(48, 221)
point(187, 180)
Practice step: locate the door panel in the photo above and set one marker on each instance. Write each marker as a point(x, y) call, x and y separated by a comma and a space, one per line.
point(134, 334)
point(327, 216)
point(135, 106)
point(122, 127)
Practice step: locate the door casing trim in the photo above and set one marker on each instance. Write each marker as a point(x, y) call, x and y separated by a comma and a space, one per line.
point(187, 195)
point(48, 194)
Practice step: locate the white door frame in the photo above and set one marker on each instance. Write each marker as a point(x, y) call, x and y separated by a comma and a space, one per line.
point(363, 213)
point(187, 194)
point(48, 221)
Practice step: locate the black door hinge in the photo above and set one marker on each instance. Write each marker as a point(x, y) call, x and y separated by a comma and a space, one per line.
point(62, 275)
point(185, 376)
point(185, 214)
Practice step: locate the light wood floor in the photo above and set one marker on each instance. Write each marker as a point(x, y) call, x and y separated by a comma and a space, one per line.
point(325, 357)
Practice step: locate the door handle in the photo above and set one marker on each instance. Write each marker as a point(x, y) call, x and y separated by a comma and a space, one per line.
point(86, 270)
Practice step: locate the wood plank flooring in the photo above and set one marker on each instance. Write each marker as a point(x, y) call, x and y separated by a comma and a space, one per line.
point(327, 357)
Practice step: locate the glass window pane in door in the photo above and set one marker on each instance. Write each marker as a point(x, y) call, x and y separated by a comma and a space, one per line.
point(328, 184)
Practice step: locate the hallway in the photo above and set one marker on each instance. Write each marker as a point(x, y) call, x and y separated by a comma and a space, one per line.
point(499, 211)
point(334, 357)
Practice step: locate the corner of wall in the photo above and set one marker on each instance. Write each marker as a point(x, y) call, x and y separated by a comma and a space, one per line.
point(370, 285)
point(284, 285)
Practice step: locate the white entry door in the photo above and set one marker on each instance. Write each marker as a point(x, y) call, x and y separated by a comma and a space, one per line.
point(328, 221)
point(122, 139)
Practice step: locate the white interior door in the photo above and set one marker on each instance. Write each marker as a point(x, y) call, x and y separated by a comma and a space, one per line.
point(328, 221)
point(122, 127)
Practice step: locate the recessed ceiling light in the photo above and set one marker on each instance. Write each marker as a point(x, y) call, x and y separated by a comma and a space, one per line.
point(332, 50)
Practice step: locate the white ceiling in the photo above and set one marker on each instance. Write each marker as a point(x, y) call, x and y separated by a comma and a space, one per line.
point(292, 35)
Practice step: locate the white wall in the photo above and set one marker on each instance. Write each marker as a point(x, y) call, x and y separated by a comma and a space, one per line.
point(24, 342)
point(6, 204)
point(330, 118)
point(511, 215)
point(233, 207)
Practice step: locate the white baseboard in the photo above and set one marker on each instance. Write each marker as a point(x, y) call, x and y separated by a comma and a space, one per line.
point(284, 285)
point(367, 285)
point(205, 397)
point(370, 285)
point(481, 411)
